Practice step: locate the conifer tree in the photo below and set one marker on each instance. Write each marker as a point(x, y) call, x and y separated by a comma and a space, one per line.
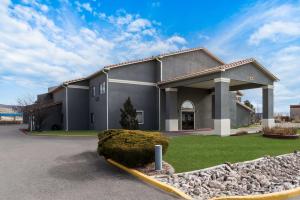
point(128, 116)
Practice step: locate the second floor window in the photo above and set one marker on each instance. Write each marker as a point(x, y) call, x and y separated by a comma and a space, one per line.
point(102, 88)
point(94, 91)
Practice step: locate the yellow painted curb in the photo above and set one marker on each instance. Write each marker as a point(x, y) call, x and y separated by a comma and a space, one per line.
point(152, 181)
point(271, 196)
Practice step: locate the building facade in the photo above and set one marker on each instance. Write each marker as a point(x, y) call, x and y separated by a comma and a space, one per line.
point(185, 90)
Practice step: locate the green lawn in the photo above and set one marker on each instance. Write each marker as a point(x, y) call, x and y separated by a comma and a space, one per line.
point(66, 133)
point(188, 153)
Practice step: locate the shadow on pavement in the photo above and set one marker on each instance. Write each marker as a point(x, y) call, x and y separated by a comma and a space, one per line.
point(84, 167)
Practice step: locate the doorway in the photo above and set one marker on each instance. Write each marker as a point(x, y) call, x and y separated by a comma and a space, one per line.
point(187, 115)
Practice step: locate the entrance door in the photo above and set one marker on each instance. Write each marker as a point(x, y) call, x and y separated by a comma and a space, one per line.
point(187, 120)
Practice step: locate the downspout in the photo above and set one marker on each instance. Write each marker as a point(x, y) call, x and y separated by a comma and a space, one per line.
point(67, 107)
point(159, 104)
point(106, 74)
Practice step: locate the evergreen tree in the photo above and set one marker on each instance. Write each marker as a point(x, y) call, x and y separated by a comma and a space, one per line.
point(128, 116)
point(249, 104)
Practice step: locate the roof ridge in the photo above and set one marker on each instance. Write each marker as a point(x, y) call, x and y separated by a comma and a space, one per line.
point(163, 55)
point(220, 68)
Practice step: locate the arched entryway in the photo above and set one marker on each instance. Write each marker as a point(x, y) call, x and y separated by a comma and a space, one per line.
point(187, 115)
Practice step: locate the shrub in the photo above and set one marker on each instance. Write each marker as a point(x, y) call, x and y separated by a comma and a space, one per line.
point(283, 131)
point(132, 148)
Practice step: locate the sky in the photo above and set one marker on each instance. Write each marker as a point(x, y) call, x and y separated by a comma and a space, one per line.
point(45, 42)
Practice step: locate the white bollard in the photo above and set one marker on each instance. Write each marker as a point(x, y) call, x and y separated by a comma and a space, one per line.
point(158, 157)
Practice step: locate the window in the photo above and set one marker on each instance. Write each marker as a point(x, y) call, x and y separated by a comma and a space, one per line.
point(140, 116)
point(103, 85)
point(94, 91)
point(102, 88)
point(92, 118)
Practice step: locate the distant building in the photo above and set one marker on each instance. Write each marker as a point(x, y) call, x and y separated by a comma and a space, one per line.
point(295, 112)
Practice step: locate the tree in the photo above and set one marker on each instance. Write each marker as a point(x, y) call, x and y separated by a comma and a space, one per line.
point(249, 104)
point(128, 116)
point(35, 111)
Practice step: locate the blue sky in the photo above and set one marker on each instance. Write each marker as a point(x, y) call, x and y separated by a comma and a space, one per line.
point(43, 43)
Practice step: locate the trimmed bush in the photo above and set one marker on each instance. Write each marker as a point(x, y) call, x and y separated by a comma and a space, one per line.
point(132, 148)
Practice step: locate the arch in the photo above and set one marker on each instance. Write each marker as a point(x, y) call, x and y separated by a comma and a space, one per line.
point(188, 105)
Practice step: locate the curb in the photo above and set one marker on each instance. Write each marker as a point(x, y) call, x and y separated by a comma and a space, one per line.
point(152, 181)
point(271, 196)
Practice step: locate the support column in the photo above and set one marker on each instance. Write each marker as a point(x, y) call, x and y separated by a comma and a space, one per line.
point(222, 107)
point(171, 110)
point(268, 106)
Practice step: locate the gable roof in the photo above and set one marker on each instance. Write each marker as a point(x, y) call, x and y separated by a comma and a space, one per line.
point(55, 88)
point(222, 68)
point(108, 67)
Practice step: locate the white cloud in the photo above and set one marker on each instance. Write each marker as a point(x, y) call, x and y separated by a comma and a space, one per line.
point(245, 35)
point(85, 6)
point(138, 25)
point(275, 31)
point(36, 51)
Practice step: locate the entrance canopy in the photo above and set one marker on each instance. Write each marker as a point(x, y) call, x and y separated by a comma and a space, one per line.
point(244, 74)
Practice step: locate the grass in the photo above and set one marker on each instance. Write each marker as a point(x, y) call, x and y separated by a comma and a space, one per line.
point(188, 153)
point(66, 133)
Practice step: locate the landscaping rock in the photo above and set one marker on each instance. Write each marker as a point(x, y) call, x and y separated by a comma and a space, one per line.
point(266, 175)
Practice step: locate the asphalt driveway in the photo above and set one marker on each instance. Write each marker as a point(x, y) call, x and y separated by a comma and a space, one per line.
point(40, 167)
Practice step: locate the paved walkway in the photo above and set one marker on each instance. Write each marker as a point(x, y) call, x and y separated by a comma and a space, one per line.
point(61, 168)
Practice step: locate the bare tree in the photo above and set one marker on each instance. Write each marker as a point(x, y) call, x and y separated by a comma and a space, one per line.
point(35, 110)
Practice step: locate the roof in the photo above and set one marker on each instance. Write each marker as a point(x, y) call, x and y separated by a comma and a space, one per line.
point(108, 67)
point(244, 106)
point(45, 105)
point(221, 68)
point(294, 106)
point(55, 88)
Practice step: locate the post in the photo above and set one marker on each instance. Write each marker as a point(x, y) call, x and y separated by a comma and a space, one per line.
point(268, 107)
point(171, 118)
point(158, 157)
point(222, 111)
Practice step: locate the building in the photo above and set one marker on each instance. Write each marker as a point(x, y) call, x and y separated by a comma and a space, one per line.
point(295, 112)
point(188, 89)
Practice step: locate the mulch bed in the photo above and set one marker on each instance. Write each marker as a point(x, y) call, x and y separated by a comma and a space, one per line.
point(281, 136)
point(150, 169)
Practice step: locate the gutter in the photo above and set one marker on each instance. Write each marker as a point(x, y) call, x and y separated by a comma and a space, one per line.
point(159, 104)
point(67, 107)
point(106, 74)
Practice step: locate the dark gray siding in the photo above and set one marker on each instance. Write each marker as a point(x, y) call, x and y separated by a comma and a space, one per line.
point(78, 102)
point(60, 95)
point(242, 116)
point(202, 100)
point(248, 73)
point(146, 71)
point(143, 98)
point(97, 104)
point(53, 118)
point(182, 64)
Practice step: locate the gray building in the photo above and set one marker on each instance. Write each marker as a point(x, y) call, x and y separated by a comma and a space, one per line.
point(184, 90)
point(295, 112)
